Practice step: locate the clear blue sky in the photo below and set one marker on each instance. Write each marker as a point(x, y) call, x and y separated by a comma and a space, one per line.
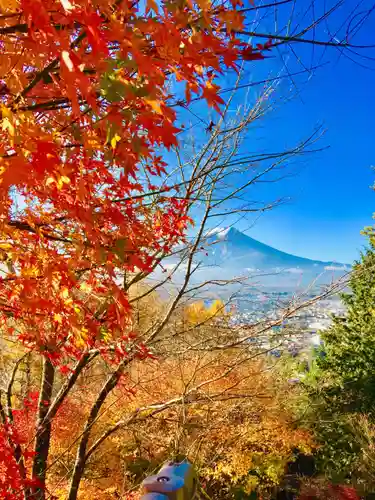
point(330, 193)
point(331, 199)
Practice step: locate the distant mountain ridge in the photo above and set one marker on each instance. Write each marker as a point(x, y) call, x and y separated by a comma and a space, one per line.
point(232, 248)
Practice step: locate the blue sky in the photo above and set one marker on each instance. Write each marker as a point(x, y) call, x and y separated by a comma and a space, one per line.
point(331, 199)
point(330, 195)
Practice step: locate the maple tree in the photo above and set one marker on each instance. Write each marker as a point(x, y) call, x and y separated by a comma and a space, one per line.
point(85, 109)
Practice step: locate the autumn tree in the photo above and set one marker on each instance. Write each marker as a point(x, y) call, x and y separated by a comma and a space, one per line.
point(84, 110)
point(90, 206)
point(236, 427)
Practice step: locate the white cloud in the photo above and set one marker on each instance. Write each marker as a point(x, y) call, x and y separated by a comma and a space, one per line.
point(336, 268)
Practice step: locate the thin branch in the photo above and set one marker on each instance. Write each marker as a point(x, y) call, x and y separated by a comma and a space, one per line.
point(9, 392)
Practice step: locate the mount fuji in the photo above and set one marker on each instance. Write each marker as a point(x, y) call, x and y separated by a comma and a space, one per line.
point(232, 248)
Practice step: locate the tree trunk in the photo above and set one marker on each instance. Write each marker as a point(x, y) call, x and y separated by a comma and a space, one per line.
point(43, 430)
point(81, 456)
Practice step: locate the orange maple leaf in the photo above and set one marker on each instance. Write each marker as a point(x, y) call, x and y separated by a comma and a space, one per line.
point(210, 93)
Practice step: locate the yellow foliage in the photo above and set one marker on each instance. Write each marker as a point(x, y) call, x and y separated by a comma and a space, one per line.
point(198, 313)
point(235, 429)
